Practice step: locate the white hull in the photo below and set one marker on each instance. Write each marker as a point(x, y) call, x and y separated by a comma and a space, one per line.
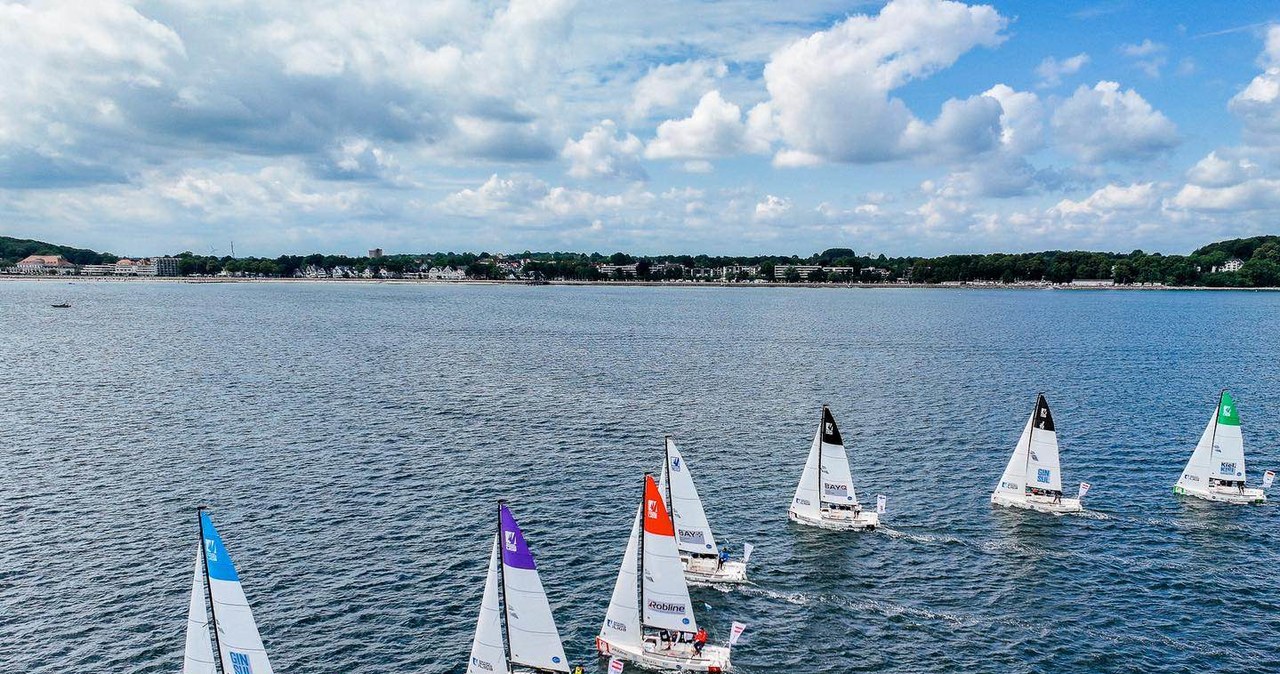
point(1225, 495)
point(674, 657)
point(843, 520)
point(1041, 504)
point(709, 571)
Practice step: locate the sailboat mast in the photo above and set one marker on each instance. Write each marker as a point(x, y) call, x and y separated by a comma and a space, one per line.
point(822, 419)
point(208, 589)
point(1213, 436)
point(1026, 467)
point(640, 558)
point(666, 470)
point(502, 591)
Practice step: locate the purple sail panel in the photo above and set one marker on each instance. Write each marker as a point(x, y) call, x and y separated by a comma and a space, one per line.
point(515, 552)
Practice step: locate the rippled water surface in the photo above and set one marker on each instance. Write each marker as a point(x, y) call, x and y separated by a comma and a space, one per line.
point(352, 439)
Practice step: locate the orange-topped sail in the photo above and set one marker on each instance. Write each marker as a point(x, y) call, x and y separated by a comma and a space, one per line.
point(657, 521)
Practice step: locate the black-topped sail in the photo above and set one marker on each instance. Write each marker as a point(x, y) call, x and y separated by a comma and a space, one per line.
point(830, 432)
point(1043, 417)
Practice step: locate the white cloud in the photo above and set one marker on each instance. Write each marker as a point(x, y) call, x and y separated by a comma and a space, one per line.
point(602, 153)
point(1258, 104)
point(772, 208)
point(1219, 171)
point(496, 195)
point(1250, 195)
point(1021, 119)
point(672, 86)
point(1148, 56)
point(1105, 124)
point(829, 92)
point(714, 129)
point(1051, 70)
point(1136, 196)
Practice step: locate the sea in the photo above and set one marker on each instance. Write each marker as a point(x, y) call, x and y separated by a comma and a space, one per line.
point(352, 440)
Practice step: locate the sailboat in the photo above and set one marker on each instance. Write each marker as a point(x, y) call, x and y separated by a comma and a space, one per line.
point(698, 550)
point(825, 496)
point(218, 602)
point(1033, 478)
point(659, 636)
point(521, 624)
point(1216, 469)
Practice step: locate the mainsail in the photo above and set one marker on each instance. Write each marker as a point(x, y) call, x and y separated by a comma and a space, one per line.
point(239, 644)
point(622, 621)
point(693, 532)
point(665, 597)
point(198, 658)
point(1220, 452)
point(488, 655)
point(531, 629)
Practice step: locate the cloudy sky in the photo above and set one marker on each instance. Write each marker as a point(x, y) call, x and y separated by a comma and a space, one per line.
point(662, 126)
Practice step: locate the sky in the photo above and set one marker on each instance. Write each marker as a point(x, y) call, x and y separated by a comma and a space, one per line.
point(912, 127)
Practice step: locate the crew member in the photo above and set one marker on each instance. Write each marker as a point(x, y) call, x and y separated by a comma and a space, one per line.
point(699, 640)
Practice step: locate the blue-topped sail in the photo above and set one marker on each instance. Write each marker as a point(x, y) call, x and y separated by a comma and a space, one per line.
point(240, 648)
point(215, 553)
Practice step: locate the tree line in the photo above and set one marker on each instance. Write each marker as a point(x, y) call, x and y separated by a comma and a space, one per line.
point(1203, 267)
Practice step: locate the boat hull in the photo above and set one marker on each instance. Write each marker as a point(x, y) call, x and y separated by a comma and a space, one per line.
point(864, 521)
point(678, 657)
point(1040, 504)
point(1249, 496)
point(704, 571)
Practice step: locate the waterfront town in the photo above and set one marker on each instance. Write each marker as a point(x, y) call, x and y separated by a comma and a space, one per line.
point(1253, 262)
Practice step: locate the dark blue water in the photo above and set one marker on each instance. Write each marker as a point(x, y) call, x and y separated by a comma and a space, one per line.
point(351, 440)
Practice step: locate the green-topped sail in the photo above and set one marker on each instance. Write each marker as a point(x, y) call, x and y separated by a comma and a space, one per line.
point(1227, 413)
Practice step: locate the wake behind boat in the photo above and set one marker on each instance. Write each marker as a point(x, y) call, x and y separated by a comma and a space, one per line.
point(661, 636)
point(825, 497)
point(704, 561)
point(523, 623)
point(1033, 478)
point(235, 634)
point(1216, 470)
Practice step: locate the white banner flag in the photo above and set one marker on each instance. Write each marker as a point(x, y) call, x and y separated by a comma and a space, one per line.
point(1084, 489)
point(1267, 478)
point(746, 552)
point(615, 666)
point(736, 631)
point(881, 502)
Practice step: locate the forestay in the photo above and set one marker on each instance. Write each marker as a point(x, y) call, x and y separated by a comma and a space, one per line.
point(239, 644)
point(693, 532)
point(198, 658)
point(488, 655)
point(666, 597)
point(531, 629)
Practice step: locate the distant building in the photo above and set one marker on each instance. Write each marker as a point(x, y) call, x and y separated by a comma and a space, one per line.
point(780, 270)
point(1093, 282)
point(45, 264)
point(375, 253)
point(98, 269)
point(166, 266)
point(610, 270)
point(1234, 264)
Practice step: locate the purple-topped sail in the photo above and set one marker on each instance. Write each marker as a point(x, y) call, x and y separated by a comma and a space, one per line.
point(515, 552)
point(531, 631)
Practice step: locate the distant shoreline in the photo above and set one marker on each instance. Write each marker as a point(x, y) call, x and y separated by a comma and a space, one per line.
point(664, 284)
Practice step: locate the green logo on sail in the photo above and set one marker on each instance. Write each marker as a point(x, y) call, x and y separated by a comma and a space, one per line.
point(1227, 414)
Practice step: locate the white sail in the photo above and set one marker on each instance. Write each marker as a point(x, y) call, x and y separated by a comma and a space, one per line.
point(531, 630)
point(666, 602)
point(239, 643)
point(488, 655)
point(1014, 480)
point(622, 621)
point(805, 502)
point(1220, 453)
point(198, 658)
point(837, 481)
point(1043, 470)
point(693, 532)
